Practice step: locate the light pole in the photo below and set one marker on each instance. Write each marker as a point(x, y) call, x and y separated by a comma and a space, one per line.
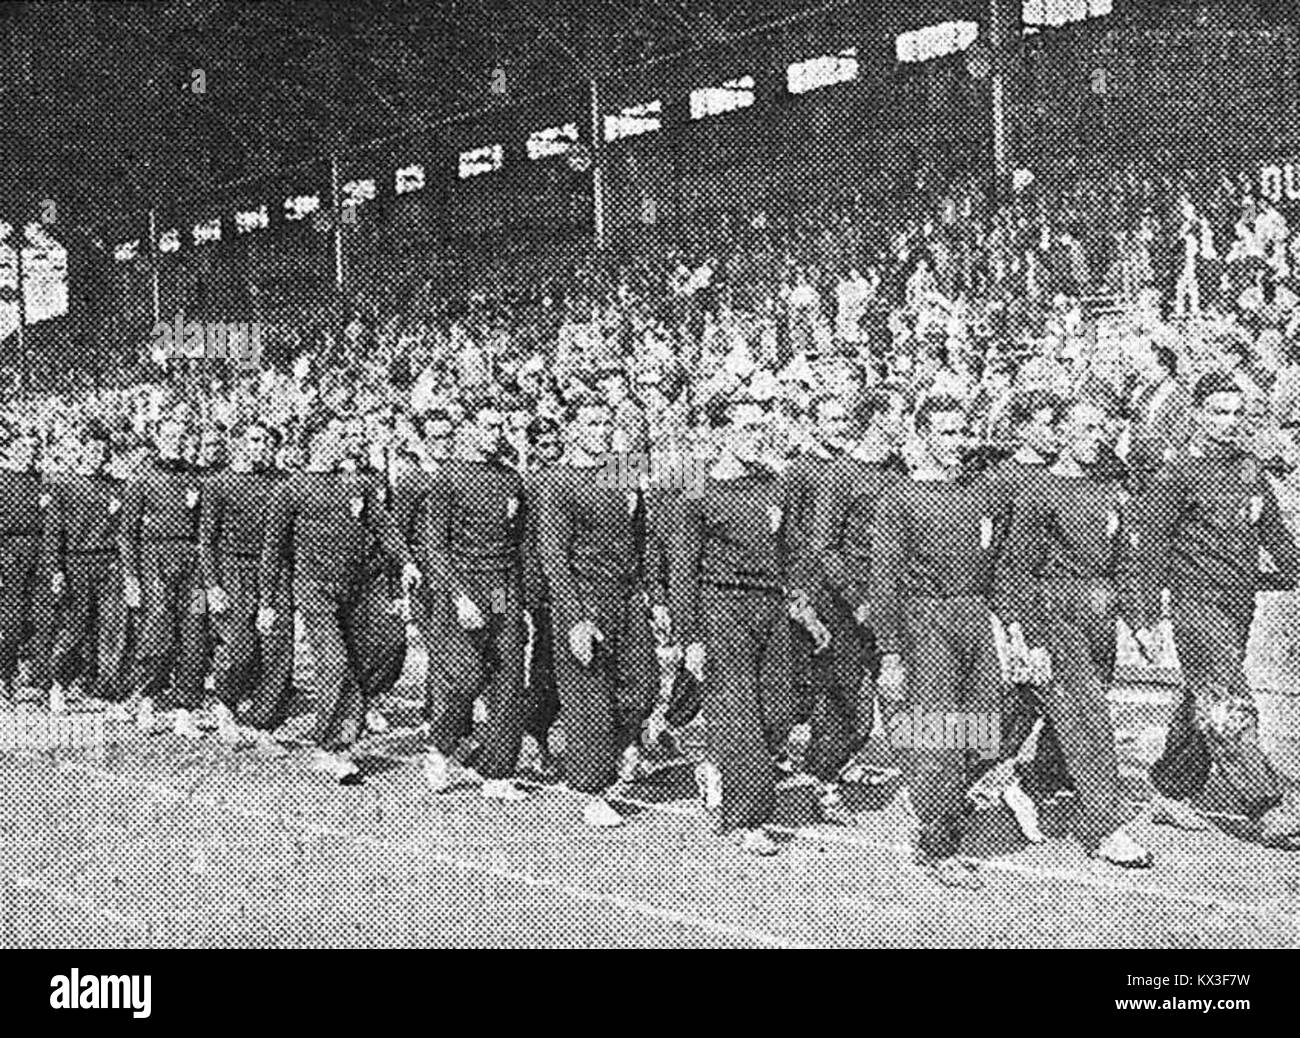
point(154, 289)
point(1001, 149)
point(20, 233)
point(597, 167)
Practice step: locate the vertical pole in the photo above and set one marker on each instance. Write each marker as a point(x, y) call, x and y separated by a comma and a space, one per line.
point(153, 267)
point(597, 168)
point(997, 39)
point(24, 372)
point(337, 221)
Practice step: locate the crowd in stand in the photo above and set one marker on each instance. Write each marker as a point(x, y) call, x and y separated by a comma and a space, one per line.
point(926, 284)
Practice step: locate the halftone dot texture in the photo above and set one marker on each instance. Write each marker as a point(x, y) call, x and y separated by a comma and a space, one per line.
point(737, 197)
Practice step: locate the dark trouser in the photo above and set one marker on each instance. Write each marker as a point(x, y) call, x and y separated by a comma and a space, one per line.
point(18, 563)
point(47, 620)
point(422, 600)
point(748, 696)
point(543, 697)
point(605, 704)
point(844, 707)
point(93, 641)
point(1046, 773)
point(952, 671)
point(685, 700)
point(21, 599)
point(806, 670)
point(171, 628)
point(1217, 722)
point(383, 642)
point(249, 665)
point(339, 618)
point(1081, 642)
point(490, 661)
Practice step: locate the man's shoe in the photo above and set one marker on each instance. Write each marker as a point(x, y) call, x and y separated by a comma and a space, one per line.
point(952, 872)
point(939, 839)
point(231, 735)
point(1024, 810)
point(217, 715)
point(502, 790)
point(598, 814)
point(183, 725)
point(437, 771)
point(833, 810)
point(548, 768)
point(1178, 813)
point(264, 745)
point(1119, 848)
point(758, 843)
point(337, 766)
point(531, 758)
point(348, 774)
point(1278, 825)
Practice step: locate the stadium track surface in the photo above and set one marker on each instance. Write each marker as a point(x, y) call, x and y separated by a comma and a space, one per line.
point(165, 843)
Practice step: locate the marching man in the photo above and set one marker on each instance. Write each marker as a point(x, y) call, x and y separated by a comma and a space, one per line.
point(592, 539)
point(1199, 531)
point(475, 523)
point(1063, 568)
point(931, 567)
point(731, 610)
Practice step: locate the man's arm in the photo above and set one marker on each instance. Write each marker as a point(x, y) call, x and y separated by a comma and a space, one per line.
point(1155, 514)
point(888, 554)
point(1015, 574)
point(210, 518)
point(554, 535)
point(642, 548)
point(277, 540)
point(54, 531)
point(659, 520)
point(534, 576)
point(128, 532)
point(382, 524)
point(1277, 539)
point(684, 557)
point(439, 510)
point(823, 562)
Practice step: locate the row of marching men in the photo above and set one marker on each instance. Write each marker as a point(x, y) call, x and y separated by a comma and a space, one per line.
point(835, 590)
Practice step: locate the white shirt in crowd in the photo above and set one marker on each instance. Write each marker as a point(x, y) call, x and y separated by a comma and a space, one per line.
point(804, 297)
point(852, 296)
